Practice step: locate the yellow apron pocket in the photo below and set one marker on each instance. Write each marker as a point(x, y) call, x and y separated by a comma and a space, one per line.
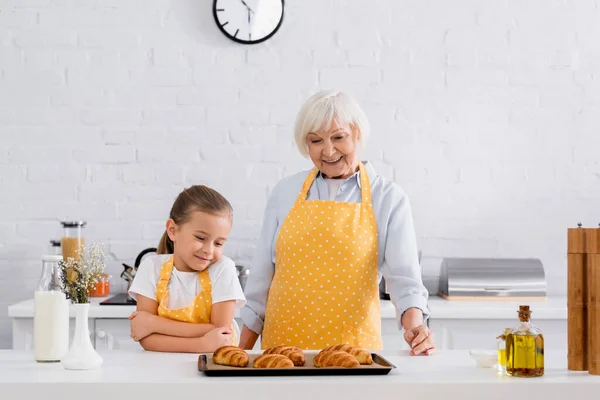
point(358, 338)
point(275, 334)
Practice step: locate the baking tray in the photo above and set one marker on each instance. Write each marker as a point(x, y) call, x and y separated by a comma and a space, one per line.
point(380, 366)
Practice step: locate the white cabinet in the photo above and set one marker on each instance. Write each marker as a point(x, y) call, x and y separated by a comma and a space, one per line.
point(450, 334)
point(114, 334)
point(456, 325)
point(468, 334)
point(23, 332)
point(392, 337)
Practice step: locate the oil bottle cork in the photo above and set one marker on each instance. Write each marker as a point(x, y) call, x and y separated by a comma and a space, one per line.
point(577, 328)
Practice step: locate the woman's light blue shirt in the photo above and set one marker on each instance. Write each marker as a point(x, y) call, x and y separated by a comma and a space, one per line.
point(398, 253)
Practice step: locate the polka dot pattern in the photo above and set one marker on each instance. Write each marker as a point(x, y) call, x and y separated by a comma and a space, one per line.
point(325, 288)
point(198, 312)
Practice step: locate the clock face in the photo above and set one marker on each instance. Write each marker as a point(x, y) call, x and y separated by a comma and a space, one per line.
point(248, 21)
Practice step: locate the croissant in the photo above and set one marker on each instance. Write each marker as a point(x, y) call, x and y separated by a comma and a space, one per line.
point(292, 352)
point(335, 359)
point(273, 361)
point(231, 356)
point(362, 356)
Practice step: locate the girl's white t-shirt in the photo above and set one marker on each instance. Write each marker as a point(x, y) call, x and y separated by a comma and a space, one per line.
point(184, 286)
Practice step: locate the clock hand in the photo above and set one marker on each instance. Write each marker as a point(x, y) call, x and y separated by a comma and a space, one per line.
point(244, 3)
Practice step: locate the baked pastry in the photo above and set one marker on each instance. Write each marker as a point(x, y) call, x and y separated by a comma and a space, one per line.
point(231, 356)
point(335, 358)
point(273, 361)
point(361, 356)
point(292, 352)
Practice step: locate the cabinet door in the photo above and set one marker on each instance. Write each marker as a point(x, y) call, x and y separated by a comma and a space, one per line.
point(392, 337)
point(463, 334)
point(114, 334)
point(22, 332)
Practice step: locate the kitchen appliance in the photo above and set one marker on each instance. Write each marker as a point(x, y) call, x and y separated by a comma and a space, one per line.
point(128, 274)
point(383, 289)
point(242, 274)
point(492, 279)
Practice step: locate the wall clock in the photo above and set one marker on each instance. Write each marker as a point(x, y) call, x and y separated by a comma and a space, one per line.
point(248, 21)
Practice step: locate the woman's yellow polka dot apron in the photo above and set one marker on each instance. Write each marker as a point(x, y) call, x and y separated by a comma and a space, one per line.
point(325, 289)
point(198, 312)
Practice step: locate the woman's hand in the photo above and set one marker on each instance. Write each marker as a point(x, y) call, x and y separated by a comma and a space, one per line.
point(142, 324)
point(420, 340)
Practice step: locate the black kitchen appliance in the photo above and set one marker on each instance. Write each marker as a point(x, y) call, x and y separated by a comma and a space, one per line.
point(123, 299)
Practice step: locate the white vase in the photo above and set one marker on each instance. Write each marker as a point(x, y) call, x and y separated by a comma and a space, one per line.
point(82, 354)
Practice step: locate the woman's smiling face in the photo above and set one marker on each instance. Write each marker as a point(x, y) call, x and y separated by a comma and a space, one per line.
point(334, 151)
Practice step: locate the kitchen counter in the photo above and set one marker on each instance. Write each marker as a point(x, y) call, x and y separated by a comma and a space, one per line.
point(458, 325)
point(552, 308)
point(447, 375)
point(24, 309)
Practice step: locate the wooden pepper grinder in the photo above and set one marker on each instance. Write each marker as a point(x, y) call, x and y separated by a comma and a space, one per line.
point(583, 299)
point(577, 354)
point(593, 299)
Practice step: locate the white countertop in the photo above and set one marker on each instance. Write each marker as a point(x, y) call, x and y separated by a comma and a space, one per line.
point(447, 375)
point(552, 308)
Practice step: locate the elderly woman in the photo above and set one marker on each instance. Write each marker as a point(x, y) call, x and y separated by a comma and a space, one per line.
point(328, 235)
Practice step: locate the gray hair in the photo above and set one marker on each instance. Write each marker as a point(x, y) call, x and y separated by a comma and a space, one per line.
point(322, 109)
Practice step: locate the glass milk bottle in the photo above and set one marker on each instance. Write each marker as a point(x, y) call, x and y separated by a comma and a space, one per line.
point(72, 241)
point(51, 314)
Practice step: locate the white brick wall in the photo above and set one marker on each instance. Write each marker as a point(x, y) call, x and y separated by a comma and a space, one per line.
point(487, 113)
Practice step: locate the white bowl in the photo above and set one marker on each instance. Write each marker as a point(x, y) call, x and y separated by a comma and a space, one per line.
point(485, 358)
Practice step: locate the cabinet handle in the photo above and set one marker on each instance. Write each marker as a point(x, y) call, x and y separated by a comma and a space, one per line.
point(100, 334)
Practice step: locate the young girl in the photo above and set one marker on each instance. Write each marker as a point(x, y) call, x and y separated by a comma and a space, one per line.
point(187, 294)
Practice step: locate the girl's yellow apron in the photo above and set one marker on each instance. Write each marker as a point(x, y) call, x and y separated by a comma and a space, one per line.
point(198, 312)
point(325, 288)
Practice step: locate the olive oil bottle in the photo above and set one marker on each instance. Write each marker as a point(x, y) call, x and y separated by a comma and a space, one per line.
point(525, 348)
point(501, 365)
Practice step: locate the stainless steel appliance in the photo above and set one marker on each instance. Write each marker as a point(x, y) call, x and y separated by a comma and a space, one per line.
point(242, 274)
point(492, 279)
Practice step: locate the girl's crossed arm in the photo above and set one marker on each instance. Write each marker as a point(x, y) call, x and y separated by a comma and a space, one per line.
point(163, 334)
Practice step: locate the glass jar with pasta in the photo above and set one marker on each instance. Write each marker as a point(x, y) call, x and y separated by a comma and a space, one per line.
point(72, 241)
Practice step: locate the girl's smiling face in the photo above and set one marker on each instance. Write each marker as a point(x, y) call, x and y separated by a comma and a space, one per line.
point(199, 241)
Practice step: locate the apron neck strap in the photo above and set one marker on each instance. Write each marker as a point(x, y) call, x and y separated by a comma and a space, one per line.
point(165, 276)
point(365, 184)
point(162, 287)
